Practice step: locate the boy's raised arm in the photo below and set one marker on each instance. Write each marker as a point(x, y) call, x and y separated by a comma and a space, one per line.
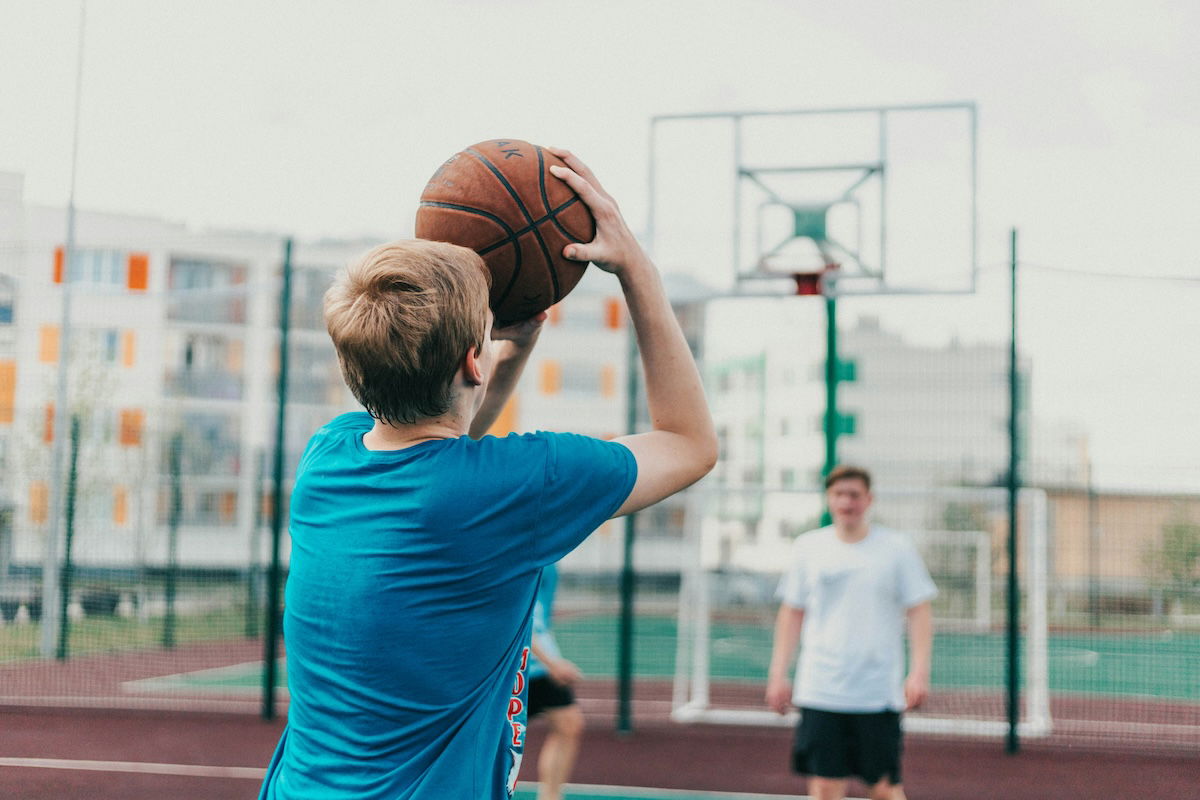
point(513, 344)
point(681, 448)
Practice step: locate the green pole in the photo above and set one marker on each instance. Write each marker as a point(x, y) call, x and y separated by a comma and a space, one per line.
point(1012, 744)
point(68, 566)
point(625, 622)
point(254, 571)
point(176, 512)
point(271, 645)
point(831, 386)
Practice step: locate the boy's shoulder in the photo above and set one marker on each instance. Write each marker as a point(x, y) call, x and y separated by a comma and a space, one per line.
point(816, 538)
point(352, 420)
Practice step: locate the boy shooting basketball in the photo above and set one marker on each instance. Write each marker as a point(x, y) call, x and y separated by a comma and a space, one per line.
point(417, 542)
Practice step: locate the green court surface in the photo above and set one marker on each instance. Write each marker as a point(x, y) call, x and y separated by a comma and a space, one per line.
point(1143, 665)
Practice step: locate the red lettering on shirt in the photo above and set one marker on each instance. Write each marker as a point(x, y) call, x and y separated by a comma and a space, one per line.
point(518, 731)
point(514, 707)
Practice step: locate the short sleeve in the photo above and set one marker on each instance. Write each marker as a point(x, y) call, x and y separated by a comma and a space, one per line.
point(794, 586)
point(916, 586)
point(586, 481)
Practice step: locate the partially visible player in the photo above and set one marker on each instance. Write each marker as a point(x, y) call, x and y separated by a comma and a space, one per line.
point(850, 587)
point(551, 694)
point(417, 541)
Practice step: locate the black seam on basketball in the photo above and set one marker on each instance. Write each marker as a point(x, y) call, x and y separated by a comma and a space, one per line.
point(492, 168)
point(504, 182)
point(537, 234)
point(553, 270)
point(557, 224)
point(472, 210)
point(553, 215)
point(512, 237)
point(522, 231)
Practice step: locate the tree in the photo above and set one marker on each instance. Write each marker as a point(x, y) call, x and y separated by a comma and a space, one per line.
point(1173, 564)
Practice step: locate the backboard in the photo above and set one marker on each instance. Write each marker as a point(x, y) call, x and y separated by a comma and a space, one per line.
point(882, 200)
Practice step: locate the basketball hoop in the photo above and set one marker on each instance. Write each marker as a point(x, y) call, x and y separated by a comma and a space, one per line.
point(816, 283)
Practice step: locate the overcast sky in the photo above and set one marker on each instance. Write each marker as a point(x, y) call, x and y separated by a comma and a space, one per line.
point(325, 119)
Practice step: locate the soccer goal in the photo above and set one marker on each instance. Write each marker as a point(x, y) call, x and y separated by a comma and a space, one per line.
point(738, 544)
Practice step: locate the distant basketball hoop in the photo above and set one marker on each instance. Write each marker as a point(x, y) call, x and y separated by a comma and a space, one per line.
point(807, 282)
point(814, 283)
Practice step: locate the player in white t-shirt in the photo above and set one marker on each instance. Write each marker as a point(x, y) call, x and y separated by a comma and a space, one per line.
point(851, 588)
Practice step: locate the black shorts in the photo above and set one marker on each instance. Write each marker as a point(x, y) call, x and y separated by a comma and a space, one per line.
point(833, 744)
point(546, 695)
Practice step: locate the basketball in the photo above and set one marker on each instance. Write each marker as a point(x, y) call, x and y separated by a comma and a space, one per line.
point(500, 199)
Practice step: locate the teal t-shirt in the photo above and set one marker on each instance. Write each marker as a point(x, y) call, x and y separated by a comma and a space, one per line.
point(410, 592)
point(543, 616)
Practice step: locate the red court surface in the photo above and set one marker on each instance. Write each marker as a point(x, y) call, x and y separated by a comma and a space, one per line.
point(657, 754)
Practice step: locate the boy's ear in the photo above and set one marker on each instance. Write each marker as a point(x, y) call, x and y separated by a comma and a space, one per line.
point(472, 370)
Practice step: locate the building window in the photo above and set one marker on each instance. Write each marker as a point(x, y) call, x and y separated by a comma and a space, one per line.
point(97, 267)
point(110, 344)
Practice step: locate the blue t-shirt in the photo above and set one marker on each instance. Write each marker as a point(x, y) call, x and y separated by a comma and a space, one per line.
point(409, 599)
point(543, 613)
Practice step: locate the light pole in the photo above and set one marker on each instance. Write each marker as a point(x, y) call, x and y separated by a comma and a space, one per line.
point(50, 566)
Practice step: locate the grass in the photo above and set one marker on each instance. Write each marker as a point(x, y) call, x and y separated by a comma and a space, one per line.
point(117, 634)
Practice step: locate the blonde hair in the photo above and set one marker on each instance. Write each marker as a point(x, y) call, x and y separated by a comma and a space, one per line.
point(402, 318)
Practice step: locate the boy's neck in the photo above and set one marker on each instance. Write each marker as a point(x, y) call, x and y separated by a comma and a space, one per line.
point(853, 533)
point(397, 437)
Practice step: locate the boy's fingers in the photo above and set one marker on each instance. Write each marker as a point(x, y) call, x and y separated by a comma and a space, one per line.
point(577, 252)
point(582, 169)
point(594, 200)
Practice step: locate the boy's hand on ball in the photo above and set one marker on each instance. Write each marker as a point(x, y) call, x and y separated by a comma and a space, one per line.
point(523, 333)
point(615, 247)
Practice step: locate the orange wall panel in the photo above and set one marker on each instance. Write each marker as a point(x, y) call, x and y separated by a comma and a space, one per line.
point(132, 421)
point(48, 344)
point(128, 348)
point(138, 275)
point(506, 423)
point(8, 391)
point(608, 381)
point(612, 313)
point(120, 505)
point(39, 502)
point(551, 377)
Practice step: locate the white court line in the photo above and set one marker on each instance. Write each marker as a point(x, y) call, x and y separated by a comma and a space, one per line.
point(642, 793)
point(146, 768)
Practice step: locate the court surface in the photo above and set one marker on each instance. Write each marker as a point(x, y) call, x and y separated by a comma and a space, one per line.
point(107, 754)
point(1149, 665)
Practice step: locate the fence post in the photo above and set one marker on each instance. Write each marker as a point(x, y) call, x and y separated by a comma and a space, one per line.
point(68, 565)
point(176, 467)
point(1012, 743)
point(271, 645)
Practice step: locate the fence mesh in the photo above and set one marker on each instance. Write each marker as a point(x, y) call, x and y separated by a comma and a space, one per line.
point(164, 577)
